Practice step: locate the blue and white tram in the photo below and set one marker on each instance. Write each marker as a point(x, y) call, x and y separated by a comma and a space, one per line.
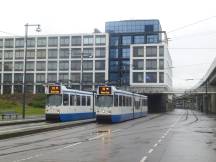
point(114, 105)
point(65, 104)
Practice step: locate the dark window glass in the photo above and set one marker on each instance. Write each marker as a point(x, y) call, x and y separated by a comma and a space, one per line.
point(88, 100)
point(18, 78)
point(1, 43)
point(76, 41)
point(126, 40)
point(114, 53)
point(87, 77)
point(18, 66)
point(99, 77)
point(40, 89)
point(7, 78)
point(100, 40)
point(19, 54)
point(52, 65)
point(126, 53)
point(161, 51)
point(76, 52)
point(161, 77)
point(88, 40)
point(138, 77)
point(63, 65)
point(114, 41)
point(139, 39)
point(53, 41)
point(30, 54)
point(63, 77)
point(149, 28)
point(151, 77)
point(152, 38)
point(83, 100)
point(7, 66)
point(75, 65)
point(41, 54)
point(138, 64)
point(52, 53)
point(78, 98)
point(115, 100)
point(8, 54)
point(29, 78)
point(64, 53)
point(138, 52)
point(161, 64)
point(72, 100)
point(40, 78)
point(9, 43)
point(52, 78)
point(151, 64)
point(87, 65)
point(41, 42)
point(64, 41)
point(19, 43)
point(65, 100)
point(30, 66)
point(151, 51)
point(100, 52)
point(41, 65)
point(99, 65)
point(120, 100)
point(31, 42)
point(75, 77)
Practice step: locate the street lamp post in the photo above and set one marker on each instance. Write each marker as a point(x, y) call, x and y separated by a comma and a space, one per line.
point(81, 76)
point(25, 61)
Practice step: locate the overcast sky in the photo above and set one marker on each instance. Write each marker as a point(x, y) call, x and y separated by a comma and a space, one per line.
point(190, 25)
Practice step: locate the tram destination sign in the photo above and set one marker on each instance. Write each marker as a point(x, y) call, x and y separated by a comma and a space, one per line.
point(104, 90)
point(54, 89)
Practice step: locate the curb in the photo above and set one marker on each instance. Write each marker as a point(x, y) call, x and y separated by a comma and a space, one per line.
point(45, 128)
point(16, 122)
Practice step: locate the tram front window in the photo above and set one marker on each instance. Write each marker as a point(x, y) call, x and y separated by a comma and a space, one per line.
point(54, 100)
point(104, 101)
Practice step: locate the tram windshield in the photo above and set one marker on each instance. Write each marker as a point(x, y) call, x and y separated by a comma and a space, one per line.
point(54, 100)
point(104, 101)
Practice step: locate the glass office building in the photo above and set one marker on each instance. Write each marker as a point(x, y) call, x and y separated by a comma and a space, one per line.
point(122, 34)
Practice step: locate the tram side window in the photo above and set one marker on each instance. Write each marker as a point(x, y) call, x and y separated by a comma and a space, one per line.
point(83, 100)
point(120, 100)
point(88, 100)
point(123, 100)
point(65, 100)
point(126, 101)
point(116, 100)
point(78, 100)
point(72, 100)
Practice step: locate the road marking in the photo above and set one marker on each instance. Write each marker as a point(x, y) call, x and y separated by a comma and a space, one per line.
point(155, 145)
point(150, 151)
point(143, 159)
point(117, 130)
point(78, 143)
point(162, 137)
point(96, 137)
point(159, 140)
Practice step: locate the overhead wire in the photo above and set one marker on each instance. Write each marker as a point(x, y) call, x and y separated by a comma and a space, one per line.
point(194, 23)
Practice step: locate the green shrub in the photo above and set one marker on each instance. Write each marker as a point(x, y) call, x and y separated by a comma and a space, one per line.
point(7, 104)
point(39, 100)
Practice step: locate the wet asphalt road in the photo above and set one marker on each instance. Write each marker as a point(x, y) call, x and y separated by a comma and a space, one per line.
point(181, 135)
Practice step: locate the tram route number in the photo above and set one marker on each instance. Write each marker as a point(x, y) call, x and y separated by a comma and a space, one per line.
point(54, 89)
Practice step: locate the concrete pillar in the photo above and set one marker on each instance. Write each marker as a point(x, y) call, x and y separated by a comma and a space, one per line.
point(213, 103)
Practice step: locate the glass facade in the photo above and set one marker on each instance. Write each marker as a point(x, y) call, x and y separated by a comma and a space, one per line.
point(124, 33)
